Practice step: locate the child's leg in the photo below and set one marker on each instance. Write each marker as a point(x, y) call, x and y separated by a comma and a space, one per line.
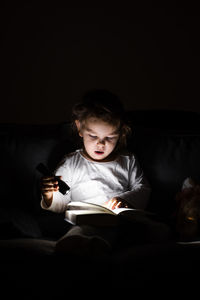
point(142, 230)
point(87, 240)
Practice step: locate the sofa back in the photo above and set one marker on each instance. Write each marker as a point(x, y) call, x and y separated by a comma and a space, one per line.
point(23, 147)
point(167, 144)
point(167, 152)
point(167, 159)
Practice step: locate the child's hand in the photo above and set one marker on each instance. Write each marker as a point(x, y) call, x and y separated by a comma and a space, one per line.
point(48, 185)
point(115, 202)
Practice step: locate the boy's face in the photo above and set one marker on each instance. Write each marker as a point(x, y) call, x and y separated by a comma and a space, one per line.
point(99, 138)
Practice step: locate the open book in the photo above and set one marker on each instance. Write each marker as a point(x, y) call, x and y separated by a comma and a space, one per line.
point(79, 213)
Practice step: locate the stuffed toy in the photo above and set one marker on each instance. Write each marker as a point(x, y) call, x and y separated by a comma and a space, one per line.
point(188, 210)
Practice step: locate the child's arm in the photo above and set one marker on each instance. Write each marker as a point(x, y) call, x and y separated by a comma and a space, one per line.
point(139, 189)
point(137, 195)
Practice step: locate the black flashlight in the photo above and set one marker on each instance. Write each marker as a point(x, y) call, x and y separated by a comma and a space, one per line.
point(63, 187)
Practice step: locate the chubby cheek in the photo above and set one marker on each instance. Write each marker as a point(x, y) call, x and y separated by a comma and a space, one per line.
point(89, 145)
point(110, 148)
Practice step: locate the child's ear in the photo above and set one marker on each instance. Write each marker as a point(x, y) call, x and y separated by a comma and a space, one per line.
point(78, 126)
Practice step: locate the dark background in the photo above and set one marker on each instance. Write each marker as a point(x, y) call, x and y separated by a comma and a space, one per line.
point(147, 53)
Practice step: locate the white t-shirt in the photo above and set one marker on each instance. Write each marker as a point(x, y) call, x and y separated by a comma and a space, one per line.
point(97, 182)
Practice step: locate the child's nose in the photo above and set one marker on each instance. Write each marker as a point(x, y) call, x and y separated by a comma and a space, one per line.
point(101, 142)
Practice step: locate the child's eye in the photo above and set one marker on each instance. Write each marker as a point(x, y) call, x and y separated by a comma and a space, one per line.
point(92, 136)
point(109, 138)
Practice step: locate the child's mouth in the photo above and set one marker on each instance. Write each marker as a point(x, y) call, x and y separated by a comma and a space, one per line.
point(99, 152)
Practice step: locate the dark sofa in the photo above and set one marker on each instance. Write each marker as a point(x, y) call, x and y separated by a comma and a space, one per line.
point(167, 144)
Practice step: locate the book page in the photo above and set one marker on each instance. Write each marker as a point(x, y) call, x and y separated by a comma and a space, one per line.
point(77, 205)
point(84, 212)
point(122, 209)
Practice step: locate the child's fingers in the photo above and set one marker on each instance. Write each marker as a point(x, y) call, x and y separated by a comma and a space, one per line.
point(49, 184)
point(47, 191)
point(49, 187)
point(119, 204)
point(50, 179)
point(113, 203)
point(108, 204)
point(47, 178)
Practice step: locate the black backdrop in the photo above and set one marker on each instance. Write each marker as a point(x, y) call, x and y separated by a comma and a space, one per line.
point(147, 53)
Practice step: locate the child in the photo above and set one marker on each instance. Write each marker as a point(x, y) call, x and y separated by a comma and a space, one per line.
point(101, 172)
